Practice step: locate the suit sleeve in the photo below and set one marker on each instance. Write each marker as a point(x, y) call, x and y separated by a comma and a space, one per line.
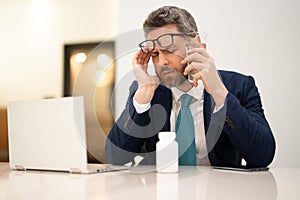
point(128, 136)
point(121, 147)
point(247, 127)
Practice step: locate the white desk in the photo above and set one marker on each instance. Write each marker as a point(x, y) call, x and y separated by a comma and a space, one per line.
point(143, 183)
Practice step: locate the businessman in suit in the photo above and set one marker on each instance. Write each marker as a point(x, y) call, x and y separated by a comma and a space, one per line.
point(227, 116)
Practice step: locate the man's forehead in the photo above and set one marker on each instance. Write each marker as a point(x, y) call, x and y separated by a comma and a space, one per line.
point(155, 33)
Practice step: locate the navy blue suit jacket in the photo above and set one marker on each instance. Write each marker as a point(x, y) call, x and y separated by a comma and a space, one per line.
point(243, 133)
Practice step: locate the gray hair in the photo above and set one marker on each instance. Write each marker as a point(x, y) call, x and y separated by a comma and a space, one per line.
point(165, 15)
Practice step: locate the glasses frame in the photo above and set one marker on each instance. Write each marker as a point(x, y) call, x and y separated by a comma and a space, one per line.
point(157, 40)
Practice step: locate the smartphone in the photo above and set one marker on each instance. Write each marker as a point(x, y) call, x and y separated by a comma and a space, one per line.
point(190, 75)
point(243, 169)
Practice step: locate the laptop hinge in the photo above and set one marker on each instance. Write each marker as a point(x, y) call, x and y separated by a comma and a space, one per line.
point(75, 170)
point(20, 167)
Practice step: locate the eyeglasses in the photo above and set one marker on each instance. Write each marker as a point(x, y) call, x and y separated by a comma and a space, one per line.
point(164, 41)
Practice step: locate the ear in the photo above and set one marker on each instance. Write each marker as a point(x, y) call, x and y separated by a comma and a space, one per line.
point(197, 39)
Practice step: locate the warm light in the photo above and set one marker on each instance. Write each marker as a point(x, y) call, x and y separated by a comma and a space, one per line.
point(105, 77)
point(103, 60)
point(80, 57)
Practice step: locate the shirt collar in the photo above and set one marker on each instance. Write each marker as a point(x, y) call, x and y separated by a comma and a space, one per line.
point(195, 92)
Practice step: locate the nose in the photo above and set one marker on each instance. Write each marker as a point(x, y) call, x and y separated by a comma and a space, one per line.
point(162, 59)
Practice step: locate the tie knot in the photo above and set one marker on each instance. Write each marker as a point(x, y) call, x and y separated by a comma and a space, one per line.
point(186, 100)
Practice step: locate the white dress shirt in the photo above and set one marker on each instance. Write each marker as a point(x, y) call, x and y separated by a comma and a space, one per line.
point(196, 107)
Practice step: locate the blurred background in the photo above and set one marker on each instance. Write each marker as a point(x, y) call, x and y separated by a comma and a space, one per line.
point(49, 48)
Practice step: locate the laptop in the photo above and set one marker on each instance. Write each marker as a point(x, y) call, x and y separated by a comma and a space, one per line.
point(50, 134)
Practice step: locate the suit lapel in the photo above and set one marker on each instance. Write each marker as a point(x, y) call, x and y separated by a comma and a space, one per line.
point(163, 96)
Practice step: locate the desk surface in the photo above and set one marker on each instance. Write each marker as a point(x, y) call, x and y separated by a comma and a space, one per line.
point(144, 183)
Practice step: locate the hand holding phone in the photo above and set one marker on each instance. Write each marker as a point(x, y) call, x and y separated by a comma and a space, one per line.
point(203, 39)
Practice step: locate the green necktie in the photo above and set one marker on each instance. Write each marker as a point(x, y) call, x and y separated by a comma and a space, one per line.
point(185, 134)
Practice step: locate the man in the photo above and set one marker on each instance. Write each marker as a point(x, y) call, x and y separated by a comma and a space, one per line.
point(228, 123)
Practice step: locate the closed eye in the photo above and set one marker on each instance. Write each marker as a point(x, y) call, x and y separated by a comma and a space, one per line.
point(171, 50)
point(154, 54)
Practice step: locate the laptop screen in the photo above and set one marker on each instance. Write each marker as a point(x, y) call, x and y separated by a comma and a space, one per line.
point(47, 134)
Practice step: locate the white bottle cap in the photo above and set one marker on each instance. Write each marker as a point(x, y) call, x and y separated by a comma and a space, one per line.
point(167, 135)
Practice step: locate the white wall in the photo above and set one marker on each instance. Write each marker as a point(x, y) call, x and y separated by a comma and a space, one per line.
point(260, 38)
point(32, 35)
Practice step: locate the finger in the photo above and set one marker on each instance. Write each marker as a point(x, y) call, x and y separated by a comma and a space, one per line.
point(144, 58)
point(141, 60)
point(136, 57)
point(138, 54)
point(195, 57)
point(147, 58)
point(188, 69)
point(201, 51)
point(194, 67)
point(144, 61)
point(197, 77)
point(140, 57)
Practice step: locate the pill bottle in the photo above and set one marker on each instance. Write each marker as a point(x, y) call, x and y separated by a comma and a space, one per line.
point(167, 153)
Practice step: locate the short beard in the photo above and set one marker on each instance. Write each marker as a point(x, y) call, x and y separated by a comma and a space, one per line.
point(172, 82)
